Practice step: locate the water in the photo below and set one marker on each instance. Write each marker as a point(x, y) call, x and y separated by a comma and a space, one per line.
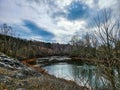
point(84, 74)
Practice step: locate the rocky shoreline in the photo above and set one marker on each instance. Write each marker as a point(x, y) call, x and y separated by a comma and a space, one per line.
point(15, 75)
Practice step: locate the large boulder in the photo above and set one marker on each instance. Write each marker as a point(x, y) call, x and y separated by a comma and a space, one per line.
point(19, 70)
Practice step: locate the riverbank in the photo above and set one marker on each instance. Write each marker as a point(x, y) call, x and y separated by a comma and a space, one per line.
point(56, 59)
point(15, 75)
point(98, 66)
point(109, 63)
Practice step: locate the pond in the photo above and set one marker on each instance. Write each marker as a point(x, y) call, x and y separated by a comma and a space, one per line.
point(92, 76)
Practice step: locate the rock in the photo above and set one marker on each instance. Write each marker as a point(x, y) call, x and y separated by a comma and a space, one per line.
point(20, 71)
point(12, 70)
point(5, 79)
point(19, 75)
point(52, 59)
point(25, 73)
point(22, 84)
point(2, 64)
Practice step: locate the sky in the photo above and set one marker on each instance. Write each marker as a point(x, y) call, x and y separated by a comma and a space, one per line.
point(52, 20)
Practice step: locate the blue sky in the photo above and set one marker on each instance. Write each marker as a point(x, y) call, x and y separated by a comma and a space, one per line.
point(52, 20)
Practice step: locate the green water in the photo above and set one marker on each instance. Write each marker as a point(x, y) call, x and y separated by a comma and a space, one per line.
point(88, 75)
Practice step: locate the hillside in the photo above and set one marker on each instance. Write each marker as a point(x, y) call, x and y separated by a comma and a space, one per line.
point(23, 49)
point(16, 76)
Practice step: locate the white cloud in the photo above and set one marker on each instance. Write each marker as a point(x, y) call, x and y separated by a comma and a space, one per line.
point(41, 12)
point(38, 38)
point(106, 3)
point(91, 3)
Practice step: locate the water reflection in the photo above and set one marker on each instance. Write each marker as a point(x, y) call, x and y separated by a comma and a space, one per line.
point(84, 74)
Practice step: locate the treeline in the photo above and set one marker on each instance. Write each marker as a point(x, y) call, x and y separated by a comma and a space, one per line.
point(103, 43)
point(23, 49)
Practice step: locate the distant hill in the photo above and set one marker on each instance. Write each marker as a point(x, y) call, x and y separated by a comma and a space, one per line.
point(23, 49)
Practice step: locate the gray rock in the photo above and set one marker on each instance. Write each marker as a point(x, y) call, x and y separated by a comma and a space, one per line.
point(21, 74)
point(5, 79)
point(21, 71)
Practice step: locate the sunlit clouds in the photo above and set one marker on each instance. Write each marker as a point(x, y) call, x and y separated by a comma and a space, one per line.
point(52, 20)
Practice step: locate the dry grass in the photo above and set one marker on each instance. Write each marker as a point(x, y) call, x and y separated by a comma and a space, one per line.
point(5, 71)
point(49, 83)
point(43, 82)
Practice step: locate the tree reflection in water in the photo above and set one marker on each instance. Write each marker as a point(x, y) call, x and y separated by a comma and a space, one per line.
point(95, 77)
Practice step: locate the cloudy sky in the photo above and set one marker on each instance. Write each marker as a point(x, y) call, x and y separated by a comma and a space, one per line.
point(52, 20)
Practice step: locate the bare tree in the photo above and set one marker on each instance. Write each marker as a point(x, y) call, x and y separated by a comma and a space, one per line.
point(87, 44)
point(105, 28)
point(6, 31)
point(108, 32)
point(94, 44)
